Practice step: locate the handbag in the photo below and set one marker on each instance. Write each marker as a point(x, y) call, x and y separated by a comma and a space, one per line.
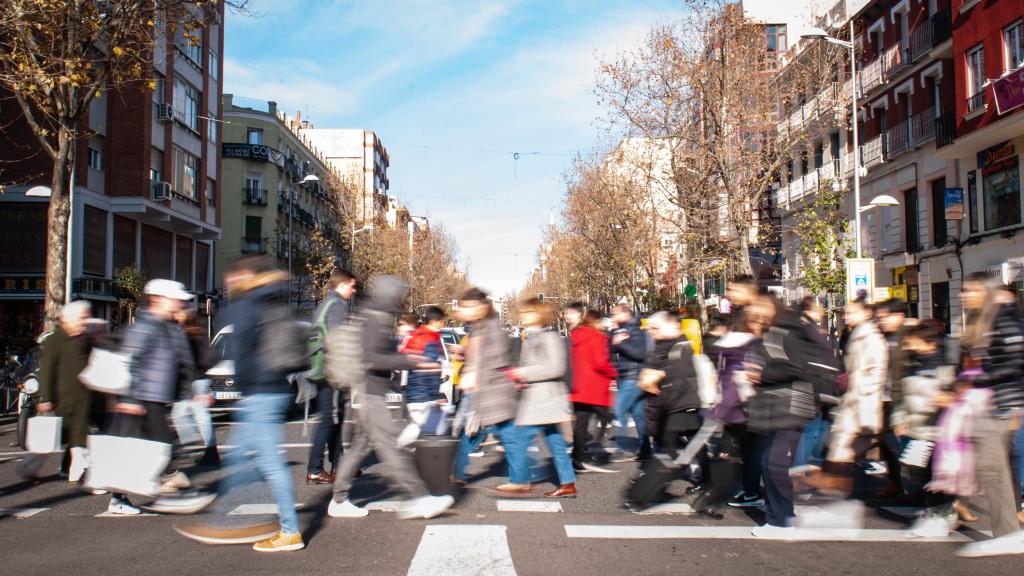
point(126, 464)
point(184, 420)
point(44, 434)
point(107, 372)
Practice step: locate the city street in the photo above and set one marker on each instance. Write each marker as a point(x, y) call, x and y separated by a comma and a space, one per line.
point(51, 526)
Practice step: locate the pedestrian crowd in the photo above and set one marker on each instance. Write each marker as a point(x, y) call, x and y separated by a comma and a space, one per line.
point(757, 409)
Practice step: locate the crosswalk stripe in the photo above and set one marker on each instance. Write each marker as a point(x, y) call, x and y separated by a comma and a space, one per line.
point(457, 550)
point(108, 514)
point(743, 533)
point(528, 506)
point(385, 506)
point(667, 508)
point(21, 513)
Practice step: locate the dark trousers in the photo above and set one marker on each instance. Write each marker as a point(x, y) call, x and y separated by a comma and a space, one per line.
point(778, 488)
point(676, 432)
point(889, 445)
point(753, 461)
point(330, 403)
point(580, 430)
point(724, 470)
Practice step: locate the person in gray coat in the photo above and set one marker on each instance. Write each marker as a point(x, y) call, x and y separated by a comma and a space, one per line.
point(544, 403)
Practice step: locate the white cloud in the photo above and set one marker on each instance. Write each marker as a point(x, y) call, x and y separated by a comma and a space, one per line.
point(290, 83)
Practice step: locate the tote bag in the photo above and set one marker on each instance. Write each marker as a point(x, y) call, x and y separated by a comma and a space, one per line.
point(107, 372)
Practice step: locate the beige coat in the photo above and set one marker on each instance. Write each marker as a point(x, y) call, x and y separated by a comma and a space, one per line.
point(860, 410)
point(545, 400)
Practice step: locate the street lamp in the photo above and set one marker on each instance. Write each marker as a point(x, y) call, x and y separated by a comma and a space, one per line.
point(819, 34)
point(352, 247)
point(291, 215)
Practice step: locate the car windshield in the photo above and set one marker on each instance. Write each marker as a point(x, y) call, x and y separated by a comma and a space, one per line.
point(221, 345)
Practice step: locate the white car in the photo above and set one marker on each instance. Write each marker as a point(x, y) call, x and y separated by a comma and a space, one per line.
point(222, 374)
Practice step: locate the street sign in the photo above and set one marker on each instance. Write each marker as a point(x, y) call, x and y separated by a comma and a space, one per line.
point(860, 278)
point(954, 203)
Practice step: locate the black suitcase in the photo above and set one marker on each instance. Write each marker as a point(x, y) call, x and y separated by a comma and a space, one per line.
point(435, 457)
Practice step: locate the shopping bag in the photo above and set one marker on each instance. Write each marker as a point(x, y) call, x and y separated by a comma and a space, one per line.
point(44, 434)
point(184, 419)
point(107, 372)
point(131, 465)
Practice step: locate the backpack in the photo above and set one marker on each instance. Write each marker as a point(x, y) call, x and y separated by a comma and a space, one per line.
point(283, 341)
point(707, 377)
point(317, 344)
point(344, 364)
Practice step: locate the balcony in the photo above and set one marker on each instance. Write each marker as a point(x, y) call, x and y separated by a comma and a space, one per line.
point(252, 245)
point(895, 60)
point(922, 127)
point(898, 138)
point(810, 182)
point(976, 102)
point(848, 165)
point(942, 27)
point(921, 40)
point(872, 152)
point(945, 129)
point(254, 196)
point(796, 189)
point(871, 75)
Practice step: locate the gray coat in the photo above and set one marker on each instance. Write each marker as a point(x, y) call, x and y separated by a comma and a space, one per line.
point(545, 400)
point(160, 359)
point(495, 397)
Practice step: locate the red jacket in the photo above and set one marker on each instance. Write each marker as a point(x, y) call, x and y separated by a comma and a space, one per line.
point(592, 370)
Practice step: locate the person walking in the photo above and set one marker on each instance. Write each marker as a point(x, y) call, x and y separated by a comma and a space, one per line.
point(160, 360)
point(544, 403)
point(330, 403)
point(423, 387)
point(197, 395)
point(65, 355)
point(268, 346)
point(592, 375)
point(377, 431)
point(629, 349)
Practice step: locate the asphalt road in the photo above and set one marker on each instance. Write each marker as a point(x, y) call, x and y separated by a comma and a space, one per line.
point(58, 531)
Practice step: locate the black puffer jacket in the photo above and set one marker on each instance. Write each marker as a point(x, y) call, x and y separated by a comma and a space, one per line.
point(380, 355)
point(678, 390)
point(1002, 361)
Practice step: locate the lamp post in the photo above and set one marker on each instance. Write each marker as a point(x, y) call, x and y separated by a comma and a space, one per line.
point(291, 215)
point(352, 244)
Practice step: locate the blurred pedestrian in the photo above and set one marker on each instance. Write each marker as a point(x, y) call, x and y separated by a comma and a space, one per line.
point(423, 387)
point(332, 312)
point(592, 376)
point(823, 376)
point(891, 316)
point(65, 355)
point(377, 431)
point(544, 400)
point(629, 346)
point(268, 346)
point(197, 396)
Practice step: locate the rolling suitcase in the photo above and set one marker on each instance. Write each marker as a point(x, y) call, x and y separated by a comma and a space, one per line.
point(435, 457)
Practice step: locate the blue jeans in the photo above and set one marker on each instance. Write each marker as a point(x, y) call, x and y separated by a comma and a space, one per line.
point(556, 444)
point(1017, 459)
point(260, 429)
point(330, 404)
point(516, 457)
point(812, 442)
point(629, 400)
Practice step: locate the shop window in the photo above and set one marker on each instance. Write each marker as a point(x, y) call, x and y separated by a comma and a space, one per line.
point(157, 251)
point(124, 242)
point(1000, 186)
point(94, 249)
point(972, 200)
point(910, 217)
point(939, 230)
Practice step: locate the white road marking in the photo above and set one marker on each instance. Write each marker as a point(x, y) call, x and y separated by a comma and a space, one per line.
point(21, 513)
point(528, 506)
point(247, 509)
point(667, 508)
point(743, 533)
point(457, 550)
point(385, 506)
point(112, 515)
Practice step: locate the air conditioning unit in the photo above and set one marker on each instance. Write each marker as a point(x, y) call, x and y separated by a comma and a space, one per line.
point(161, 191)
point(164, 113)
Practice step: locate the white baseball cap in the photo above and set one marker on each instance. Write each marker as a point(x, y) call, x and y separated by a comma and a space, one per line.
point(167, 289)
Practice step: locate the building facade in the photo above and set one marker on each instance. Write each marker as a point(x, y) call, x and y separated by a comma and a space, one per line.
point(146, 185)
point(360, 157)
point(276, 192)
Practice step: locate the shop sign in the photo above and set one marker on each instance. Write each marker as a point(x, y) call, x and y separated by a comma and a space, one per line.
point(913, 294)
point(23, 237)
point(860, 278)
point(954, 203)
point(251, 152)
point(22, 285)
point(1009, 91)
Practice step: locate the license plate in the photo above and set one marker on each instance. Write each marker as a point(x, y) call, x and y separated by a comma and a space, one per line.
point(227, 395)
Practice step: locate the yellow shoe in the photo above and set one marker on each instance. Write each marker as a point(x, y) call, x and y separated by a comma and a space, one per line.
point(281, 543)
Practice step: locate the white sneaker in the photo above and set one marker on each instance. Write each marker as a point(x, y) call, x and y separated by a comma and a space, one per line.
point(122, 508)
point(875, 468)
point(188, 505)
point(770, 532)
point(1009, 544)
point(426, 507)
point(930, 526)
point(174, 482)
point(346, 509)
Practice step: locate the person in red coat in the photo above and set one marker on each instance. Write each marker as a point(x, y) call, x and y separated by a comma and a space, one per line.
point(592, 375)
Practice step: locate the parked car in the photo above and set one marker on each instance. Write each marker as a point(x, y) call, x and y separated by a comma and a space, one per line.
point(222, 374)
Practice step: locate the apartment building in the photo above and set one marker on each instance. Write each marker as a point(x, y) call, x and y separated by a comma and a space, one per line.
point(147, 183)
point(360, 157)
point(275, 192)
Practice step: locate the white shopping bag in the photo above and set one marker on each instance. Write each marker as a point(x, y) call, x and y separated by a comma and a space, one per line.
point(131, 465)
point(184, 419)
point(107, 372)
point(44, 434)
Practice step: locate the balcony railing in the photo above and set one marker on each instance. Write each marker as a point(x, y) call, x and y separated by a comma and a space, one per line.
point(255, 196)
point(922, 127)
point(945, 129)
point(252, 245)
point(848, 165)
point(977, 101)
point(898, 138)
point(871, 75)
point(796, 189)
point(920, 40)
point(942, 27)
point(872, 152)
point(810, 181)
point(895, 60)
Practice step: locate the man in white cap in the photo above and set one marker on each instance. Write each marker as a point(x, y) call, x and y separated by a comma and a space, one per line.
point(159, 358)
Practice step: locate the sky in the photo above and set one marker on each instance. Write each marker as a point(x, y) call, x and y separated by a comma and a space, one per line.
point(453, 89)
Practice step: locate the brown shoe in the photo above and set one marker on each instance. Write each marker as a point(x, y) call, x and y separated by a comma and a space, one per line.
point(320, 478)
point(965, 513)
point(248, 534)
point(515, 491)
point(563, 491)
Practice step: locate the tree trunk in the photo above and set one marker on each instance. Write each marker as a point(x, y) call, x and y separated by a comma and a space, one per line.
point(57, 227)
point(745, 267)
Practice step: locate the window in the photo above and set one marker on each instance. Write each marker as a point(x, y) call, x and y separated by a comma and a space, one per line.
point(211, 130)
point(187, 101)
point(192, 47)
point(972, 200)
point(819, 154)
point(186, 173)
point(939, 230)
point(211, 192)
point(95, 159)
point(159, 90)
point(1000, 181)
point(910, 217)
point(94, 250)
point(255, 136)
point(1013, 45)
point(776, 38)
point(124, 242)
point(202, 267)
point(214, 66)
point(976, 78)
point(157, 251)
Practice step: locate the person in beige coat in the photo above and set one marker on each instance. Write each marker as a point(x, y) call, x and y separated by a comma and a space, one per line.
point(859, 420)
point(544, 400)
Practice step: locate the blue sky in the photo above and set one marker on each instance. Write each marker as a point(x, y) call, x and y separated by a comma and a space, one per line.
point(453, 89)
